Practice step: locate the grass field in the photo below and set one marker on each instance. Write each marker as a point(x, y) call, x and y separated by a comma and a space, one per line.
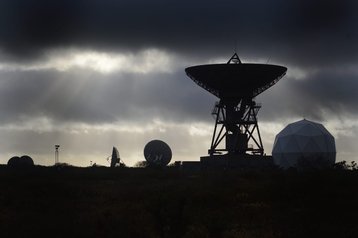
point(137, 202)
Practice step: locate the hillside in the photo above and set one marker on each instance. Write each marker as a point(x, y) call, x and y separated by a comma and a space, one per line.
point(123, 202)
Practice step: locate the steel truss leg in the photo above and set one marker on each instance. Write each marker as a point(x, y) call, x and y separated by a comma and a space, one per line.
point(248, 124)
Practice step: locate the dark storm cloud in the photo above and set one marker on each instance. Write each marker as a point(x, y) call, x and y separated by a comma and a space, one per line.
point(320, 96)
point(98, 98)
point(300, 32)
point(316, 37)
point(310, 35)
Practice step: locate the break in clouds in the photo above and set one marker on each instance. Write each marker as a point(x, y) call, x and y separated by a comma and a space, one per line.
point(112, 72)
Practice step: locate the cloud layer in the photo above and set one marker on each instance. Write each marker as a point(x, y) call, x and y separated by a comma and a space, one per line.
point(300, 32)
point(84, 64)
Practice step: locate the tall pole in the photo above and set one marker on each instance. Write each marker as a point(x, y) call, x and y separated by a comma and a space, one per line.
point(56, 154)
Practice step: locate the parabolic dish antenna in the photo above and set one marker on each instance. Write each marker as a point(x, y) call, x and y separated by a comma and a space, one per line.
point(235, 80)
point(157, 153)
point(115, 159)
point(236, 84)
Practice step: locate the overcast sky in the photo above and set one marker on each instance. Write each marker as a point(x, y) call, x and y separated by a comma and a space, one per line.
point(92, 74)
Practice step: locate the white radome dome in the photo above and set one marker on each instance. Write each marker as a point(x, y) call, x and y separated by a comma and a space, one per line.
point(304, 144)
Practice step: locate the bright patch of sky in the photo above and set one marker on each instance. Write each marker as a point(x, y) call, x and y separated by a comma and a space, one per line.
point(146, 61)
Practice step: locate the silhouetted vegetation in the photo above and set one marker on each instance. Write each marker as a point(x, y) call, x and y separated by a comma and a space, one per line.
point(136, 202)
point(343, 165)
point(141, 164)
point(20, 162)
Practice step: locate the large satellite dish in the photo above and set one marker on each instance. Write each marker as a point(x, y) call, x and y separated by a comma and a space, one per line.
point(157, 153)
point(236, 84)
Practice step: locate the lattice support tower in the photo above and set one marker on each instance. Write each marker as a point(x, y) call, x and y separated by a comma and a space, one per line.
point(238, 126)
point(57, 154)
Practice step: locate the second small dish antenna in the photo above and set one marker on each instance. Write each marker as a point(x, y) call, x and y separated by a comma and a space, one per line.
point(157, 153)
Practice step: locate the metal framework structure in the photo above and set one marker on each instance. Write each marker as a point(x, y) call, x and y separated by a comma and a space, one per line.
point(57, 155)
point(238, 125)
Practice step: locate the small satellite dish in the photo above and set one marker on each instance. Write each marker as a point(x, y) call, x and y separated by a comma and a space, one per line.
point(157, 153)
point(115, 159)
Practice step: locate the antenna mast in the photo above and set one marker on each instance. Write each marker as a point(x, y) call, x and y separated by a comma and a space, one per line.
point(57, 154)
